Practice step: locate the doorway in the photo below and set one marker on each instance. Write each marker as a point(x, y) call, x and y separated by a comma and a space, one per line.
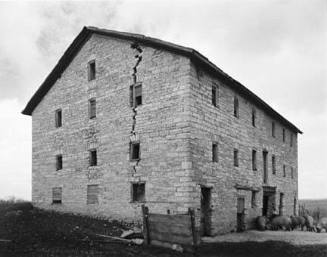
point(205, 225)
point(268, 201)
point(265, 205)
point(240, 213)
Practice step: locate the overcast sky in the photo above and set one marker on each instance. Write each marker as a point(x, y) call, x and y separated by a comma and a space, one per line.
point(276, 48)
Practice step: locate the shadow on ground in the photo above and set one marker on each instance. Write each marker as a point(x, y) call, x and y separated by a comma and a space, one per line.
point(261, 249)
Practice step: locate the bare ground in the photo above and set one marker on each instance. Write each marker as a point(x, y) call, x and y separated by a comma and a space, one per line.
point(292, 237)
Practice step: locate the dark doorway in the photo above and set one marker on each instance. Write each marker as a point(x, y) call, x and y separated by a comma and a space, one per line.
point(268, 201)
point(265, 205)
point(205, 226)
point(265, 167)
point(240, 214)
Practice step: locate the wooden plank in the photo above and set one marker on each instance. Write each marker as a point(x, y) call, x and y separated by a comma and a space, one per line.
point(182, 234)
point(167, 228)
point(146, 234)
point(194, 235)
point(172, 238)
point(170, 219)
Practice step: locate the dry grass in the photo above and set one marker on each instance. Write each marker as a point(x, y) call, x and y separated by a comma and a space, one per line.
point(36, 232)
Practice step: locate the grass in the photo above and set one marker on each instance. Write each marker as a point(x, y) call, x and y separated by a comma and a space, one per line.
point(314, 206)
point(36, 232)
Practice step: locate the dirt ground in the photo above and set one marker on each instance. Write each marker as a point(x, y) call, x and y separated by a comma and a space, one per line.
point(292, 237)
point(26, 231)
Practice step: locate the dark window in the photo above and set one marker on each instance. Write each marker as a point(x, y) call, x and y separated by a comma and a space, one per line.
point(284, 135)
point(135, 151)
point(215, 152)
point(93, 158)
point(136, 95)
point(281, 203)
point(58, 118)
point(254, 117)
point(273, 129)
point(291, 139)
point(292, 172)
point(284, 170)
point(273, 164)
point(214, 95)
point(59, 162)
point(254, 160)
point(235, 157)
point(57, 195)
point(254, 199)
point(91, 70)
point(236, 107)
point(265, 166)
point(138, 192)
point(92, 108)
point(294, 207)
point(92, 194)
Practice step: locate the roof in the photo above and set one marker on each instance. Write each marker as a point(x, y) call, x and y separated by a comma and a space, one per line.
point(195, 56)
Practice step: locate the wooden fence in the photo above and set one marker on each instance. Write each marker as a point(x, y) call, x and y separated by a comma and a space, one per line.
point(167, 229)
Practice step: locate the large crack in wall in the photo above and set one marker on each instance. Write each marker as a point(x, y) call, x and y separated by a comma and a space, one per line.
point(138, 56)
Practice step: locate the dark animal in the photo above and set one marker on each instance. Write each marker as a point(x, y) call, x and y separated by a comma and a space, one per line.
point(322, 223)
point(309, 223)
point(261, 223)
point(297, 222)
point(281, 222)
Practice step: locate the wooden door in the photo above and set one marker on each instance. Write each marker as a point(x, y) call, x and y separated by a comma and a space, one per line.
point(205, 225)
point(240, 214)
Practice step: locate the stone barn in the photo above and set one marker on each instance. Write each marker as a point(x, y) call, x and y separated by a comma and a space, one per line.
point(124, 120)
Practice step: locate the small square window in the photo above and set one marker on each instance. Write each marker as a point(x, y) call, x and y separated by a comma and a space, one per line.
point(273, 163)
point(215, 152)
point(134, 151)
point(214, 95)
point(93, 157)
point(138, 192)
point(254, 117)
point(59, 162)
point(92, 194)
point(91, 70)
point(273, 129)
point(254, 160)
point(58, 118)
point(235, 157)
point(136, 95)
point(236, 107)
point(57, 195)
point(92, 108)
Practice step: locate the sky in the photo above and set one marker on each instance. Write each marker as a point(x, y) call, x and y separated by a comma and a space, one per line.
point(276, 48)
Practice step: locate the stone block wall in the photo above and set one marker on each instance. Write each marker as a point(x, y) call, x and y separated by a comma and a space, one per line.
point(161, 125)
point(176, 126)
point(212, 124)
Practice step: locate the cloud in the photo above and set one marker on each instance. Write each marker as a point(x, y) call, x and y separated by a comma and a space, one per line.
point(278, 49)
point(15, 150)
point(36, 34)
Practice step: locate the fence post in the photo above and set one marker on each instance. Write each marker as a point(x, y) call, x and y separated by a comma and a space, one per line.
point(192, 216)
point(145, 213)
